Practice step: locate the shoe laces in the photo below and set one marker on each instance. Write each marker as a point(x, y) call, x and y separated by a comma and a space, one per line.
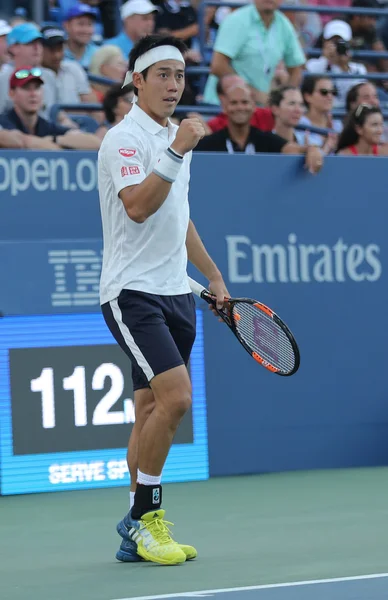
point(159, 530)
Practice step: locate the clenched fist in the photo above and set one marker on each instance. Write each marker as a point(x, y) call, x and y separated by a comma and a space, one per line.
point(188, 135)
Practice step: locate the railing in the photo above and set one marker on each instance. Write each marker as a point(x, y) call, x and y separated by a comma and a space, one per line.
point(205, 110)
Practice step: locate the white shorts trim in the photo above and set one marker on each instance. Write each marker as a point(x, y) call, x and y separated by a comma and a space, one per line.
point(135, 350)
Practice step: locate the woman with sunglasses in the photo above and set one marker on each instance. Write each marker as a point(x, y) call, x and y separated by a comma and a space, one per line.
point(318, 95)
point(362, 133)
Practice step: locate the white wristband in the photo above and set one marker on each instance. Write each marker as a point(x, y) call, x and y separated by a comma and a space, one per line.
point(168, 165)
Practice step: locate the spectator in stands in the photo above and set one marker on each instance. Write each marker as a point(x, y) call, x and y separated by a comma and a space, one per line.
point(26, 91)
point(240, 136)
point(262, 118)
point(362, 133)
point(66, 80)
point(365, 93)
point(318, 94)
point(24, 47)
point(361, 93)
point(288, 108)
point(177, 18)
point(108, 15)
point(337, 37)
point(24, 41)
point(138, 17)
point(116, 104)
point(4, 31)
point(365, 35)
point(79, 26)
point(107, 62)
point(251, 41)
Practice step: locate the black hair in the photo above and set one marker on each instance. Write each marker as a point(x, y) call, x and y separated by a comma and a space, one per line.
point(352, 95)
point(111, 99)
point(309, 84)
point(276, 96)
point(153, 41)
point(349, 135)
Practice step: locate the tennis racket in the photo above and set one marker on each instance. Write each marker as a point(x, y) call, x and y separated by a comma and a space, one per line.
point(258, 329)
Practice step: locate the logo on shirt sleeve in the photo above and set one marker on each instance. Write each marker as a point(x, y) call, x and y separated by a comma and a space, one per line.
point(129, 171)
point(127, 152)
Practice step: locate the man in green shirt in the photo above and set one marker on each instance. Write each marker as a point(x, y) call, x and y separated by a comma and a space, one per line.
point(251, 42)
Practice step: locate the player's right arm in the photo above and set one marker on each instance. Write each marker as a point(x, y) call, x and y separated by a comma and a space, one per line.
point(147, 194)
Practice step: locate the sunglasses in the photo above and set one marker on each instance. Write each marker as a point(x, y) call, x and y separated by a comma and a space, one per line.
point(326, 92)
point(361, 108)
point(24, 73)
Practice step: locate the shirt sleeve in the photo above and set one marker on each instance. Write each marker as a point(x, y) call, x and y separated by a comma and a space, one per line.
point(231, 36)
point(55, 129)
point(124, 162)
point(293, 53)
point(81, 79)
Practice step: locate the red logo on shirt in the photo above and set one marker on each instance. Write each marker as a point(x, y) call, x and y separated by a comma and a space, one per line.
point(127, 152)
point(134, 170)
point(124, 171)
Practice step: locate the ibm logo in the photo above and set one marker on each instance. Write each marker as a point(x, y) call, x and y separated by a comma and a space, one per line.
point(76, 277)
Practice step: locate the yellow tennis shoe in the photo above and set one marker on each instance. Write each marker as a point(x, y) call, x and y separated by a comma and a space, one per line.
point(154, 541)
point(128, 548)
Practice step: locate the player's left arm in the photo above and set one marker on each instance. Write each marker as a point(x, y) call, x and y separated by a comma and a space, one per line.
point(198, 255)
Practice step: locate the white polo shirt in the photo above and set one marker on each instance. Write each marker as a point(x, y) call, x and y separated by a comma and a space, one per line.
point(151, 256)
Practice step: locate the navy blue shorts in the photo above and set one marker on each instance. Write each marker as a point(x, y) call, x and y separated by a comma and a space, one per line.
point(156, 332)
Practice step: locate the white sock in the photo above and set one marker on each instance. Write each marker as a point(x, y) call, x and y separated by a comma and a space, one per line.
point(144, 479)
point(131, 499)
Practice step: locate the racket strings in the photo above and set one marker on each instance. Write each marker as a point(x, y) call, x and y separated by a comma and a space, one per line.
point(264, 336)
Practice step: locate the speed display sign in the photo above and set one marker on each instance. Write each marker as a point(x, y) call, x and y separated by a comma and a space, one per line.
point(67, 407)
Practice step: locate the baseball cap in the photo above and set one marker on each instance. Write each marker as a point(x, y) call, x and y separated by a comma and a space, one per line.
point(25, 33)
point(80, 10)
point(137, 7)
point(52, 36)
point(20, 77)
point(4, 28)
point(337, 27)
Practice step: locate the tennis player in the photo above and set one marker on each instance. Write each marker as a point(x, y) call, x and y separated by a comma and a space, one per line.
point(143, 173)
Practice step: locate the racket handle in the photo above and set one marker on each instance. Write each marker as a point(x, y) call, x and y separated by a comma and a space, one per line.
point(196, 287)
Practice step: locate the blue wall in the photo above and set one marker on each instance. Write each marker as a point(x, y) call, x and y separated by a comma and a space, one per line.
point(312, 247)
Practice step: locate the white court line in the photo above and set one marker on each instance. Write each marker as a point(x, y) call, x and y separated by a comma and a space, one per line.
point(199, 593)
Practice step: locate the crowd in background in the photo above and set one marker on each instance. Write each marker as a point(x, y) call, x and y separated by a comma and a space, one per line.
point(261, 79)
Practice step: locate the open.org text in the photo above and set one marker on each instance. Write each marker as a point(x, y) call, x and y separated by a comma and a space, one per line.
point(41, 174)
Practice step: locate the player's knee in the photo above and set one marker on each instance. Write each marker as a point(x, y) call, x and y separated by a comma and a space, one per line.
point(178, 405)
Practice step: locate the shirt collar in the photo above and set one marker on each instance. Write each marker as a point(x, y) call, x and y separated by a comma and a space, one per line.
point(13, 116)
point(256, 16)
point(138, 115)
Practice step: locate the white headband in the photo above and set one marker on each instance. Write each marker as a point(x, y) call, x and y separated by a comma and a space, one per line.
point(151, 57)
